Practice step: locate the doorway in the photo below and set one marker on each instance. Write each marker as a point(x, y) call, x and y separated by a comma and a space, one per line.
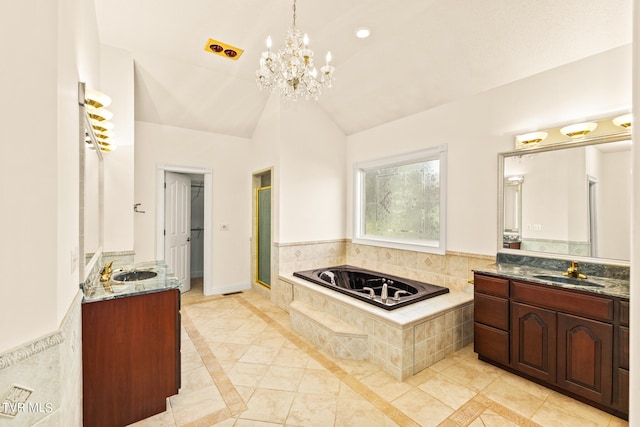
point(263, 227)
point(194, 226)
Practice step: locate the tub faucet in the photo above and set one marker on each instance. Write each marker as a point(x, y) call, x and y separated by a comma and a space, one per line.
point(330, 275)
point(372, 293)
point(385, 291)
point(396, 296)
point(574, 271)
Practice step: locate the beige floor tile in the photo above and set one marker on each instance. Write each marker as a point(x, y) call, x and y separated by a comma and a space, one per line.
point(245, 392)
point(269, 405)
point(447, 391)
point(291, 357)
point(188, 407)
point(319, 382)
point(385, 385)
point(247, 374)
point(163, 419)
point(490, 419)
point(566, 405)
point(228, 351)
point(470, 374)
point(358, 368)
point(358, 412)
point(282, 378)
point(190, 360)
point(312, 410)
point(195, 379)
point(259, 354)
point(422, 408)
point(513, 397)
point(537, 390)
point(549, 414)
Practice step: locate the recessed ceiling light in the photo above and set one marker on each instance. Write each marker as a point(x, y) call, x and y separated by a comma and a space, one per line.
point(362, 32)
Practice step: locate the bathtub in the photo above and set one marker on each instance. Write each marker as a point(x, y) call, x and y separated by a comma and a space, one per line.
point(381, 290)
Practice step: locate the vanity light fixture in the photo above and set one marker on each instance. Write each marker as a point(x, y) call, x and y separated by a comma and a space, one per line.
point(94, 106)
point(531, 138)
point(625, 121)
point(579, 130)
point(96, 99)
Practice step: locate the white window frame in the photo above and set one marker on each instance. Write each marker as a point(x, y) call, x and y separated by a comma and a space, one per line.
point(430, 246)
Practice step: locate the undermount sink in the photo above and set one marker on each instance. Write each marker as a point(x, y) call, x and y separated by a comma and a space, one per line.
point(132, 276)
point(569, 280)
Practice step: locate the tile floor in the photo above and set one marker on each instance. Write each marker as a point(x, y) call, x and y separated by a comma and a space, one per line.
point(242, 365)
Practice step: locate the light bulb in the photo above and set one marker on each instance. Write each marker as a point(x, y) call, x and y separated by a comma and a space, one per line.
point(269, 42)
point(328, 57)
point(305, 40)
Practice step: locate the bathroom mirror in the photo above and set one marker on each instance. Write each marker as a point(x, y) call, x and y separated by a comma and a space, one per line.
point(91, 194)
point(571, 201)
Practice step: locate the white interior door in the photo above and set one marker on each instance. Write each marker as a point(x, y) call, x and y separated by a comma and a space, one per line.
point(177, 226)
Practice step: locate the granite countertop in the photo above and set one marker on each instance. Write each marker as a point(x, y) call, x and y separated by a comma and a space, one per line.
point(165, 280)
point(613, 287)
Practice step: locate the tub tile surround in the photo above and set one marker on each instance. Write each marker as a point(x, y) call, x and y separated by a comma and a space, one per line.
point(51, 366)
point(402, 343)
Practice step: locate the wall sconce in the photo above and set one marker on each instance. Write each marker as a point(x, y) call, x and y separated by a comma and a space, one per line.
point(625, 121)
point(579, 130)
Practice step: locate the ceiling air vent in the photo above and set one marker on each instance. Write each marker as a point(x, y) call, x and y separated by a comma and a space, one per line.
point(223, 49)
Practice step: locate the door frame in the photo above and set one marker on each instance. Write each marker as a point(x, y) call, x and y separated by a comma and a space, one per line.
point(207, 267)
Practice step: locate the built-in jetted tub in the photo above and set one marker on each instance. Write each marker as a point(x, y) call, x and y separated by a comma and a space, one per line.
point(382, 290)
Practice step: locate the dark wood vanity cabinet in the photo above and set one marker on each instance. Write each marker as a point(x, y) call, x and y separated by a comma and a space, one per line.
point(130, 357)
point(572, 341)
point(491, 318)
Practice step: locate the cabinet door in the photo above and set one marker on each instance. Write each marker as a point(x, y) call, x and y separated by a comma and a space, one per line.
point(533, 341)
point(585, 350)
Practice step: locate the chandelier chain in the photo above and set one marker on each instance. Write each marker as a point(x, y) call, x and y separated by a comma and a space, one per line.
point(294, 13)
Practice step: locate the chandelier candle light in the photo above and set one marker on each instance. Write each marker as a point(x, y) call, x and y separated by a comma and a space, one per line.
point(291, 69)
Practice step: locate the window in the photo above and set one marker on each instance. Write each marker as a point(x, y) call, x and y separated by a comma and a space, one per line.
point(400, 202)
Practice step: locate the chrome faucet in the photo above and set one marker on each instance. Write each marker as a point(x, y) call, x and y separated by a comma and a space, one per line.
point(396, 296)
point(574, 271)
point(372, 293)
point(384, 294)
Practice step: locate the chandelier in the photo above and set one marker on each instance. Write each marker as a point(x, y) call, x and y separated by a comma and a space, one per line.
point(291, 69)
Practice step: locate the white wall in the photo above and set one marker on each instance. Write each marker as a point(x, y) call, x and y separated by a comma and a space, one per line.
point(615, 199)
point(307, 151)
point(476, 129)
point(312, 175)
point(40, 190)
point(116, 80)
point(229, 159)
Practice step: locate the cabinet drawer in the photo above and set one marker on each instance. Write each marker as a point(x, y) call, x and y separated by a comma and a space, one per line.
point(491, 343)
point(491, 311)
point(624, 313)
point(491, 285)
point(561, 300)
point(623, 334)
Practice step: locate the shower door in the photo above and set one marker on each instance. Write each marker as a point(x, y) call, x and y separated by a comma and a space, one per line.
point(263, 244)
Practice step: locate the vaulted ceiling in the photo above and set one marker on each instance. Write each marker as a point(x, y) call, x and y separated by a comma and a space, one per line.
point(421, 54)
